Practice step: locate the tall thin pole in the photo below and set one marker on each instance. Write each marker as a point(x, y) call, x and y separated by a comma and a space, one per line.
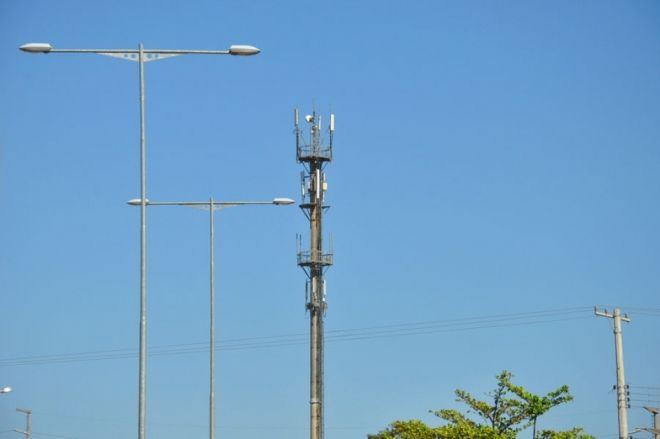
point(314, 156)
point(620, 377)
point(130, 55)
point(316, 309)
point(28, 423)
point(143, 259)
point(212, 323)
point(212, 206)
point(656, 421)
point(621, 389)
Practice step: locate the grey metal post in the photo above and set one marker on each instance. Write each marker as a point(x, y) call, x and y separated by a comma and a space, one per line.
point(212, 206)
point(212, 323)
point(131, 55)
point(28, 423)
point(143, 259)
point(656, 421)
point(622, 402)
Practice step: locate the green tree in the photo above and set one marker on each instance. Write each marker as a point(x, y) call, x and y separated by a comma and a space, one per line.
point(512, 410)
point(416, 429)
point(505, 416)
point(413, 429)
point(576, 433)
point(533, 405)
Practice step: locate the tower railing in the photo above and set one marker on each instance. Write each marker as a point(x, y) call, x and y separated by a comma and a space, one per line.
point(313, 152)
point(318, 258)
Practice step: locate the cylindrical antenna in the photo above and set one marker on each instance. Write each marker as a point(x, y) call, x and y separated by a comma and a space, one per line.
point(295, 117)
point(332, 122)
point(306, 293)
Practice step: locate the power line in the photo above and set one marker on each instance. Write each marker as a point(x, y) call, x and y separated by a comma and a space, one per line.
point(338, 335)
point(53, 435)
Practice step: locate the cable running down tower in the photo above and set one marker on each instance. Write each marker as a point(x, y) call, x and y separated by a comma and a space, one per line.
point(314, 155)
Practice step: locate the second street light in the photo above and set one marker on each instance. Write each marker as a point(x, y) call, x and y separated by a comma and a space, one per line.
point(142, 55)
point(211, 206)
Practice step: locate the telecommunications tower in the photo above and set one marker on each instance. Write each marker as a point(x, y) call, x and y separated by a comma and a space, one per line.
point(314, 154)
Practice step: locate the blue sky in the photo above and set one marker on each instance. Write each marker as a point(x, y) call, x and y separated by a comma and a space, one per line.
point(494, 160)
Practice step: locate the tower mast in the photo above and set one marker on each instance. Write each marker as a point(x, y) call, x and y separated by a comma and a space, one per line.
point(314, 155)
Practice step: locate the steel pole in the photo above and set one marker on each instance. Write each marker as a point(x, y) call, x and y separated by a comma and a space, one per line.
point(212, 323)
point(620, 377)
point(28, 423)
point(143, 259)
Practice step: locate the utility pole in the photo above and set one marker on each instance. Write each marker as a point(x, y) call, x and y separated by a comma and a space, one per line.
point(656, 421)
point(28, 423)
point(314, 155)
point(621, 388)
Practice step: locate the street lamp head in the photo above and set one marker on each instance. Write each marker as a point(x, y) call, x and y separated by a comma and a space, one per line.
point(282, 201)
point(136, 202)
point(36, 47)
point(243, 50)
point(5, 389)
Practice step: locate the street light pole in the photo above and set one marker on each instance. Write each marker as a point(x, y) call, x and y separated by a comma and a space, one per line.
point(142, 56)
point(212, 206)
point(655, 411)
point(28, 423)
point(142, 368)
point(212, 321)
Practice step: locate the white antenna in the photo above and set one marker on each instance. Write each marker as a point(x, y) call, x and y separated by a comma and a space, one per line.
point(306, 295)
point(332, 122)
point(295, 116)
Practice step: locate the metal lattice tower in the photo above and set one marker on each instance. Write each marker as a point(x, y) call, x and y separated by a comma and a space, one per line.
point(313, 154)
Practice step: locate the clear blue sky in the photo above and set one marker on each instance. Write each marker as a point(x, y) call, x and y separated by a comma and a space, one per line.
point(491, 159)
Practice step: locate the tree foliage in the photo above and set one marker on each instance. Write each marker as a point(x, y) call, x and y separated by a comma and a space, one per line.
point(536, 405)
point(575, 433)
point(510, 410)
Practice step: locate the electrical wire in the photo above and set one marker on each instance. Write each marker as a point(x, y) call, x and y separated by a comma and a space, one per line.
point(34, 433)
point(338, 335)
